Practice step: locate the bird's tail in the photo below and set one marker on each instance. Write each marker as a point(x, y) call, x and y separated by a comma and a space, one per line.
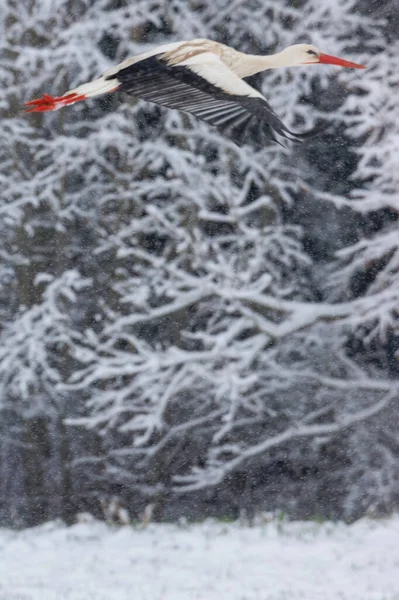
point(87, 90)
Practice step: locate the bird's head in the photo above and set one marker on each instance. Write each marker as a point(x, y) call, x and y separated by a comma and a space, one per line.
point(306, 54)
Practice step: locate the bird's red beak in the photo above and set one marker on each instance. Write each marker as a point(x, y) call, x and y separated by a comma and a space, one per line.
point(326, 59)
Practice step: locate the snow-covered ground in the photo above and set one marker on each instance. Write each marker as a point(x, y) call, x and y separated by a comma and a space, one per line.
point(211, 561)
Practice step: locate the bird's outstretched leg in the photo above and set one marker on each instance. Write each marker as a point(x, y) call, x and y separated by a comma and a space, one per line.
point(87, 90)
point(47, 102)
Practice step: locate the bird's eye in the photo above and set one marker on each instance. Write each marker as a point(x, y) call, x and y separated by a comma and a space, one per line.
point(311, 52)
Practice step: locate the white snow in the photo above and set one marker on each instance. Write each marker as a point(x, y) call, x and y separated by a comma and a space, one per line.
point(209, 561)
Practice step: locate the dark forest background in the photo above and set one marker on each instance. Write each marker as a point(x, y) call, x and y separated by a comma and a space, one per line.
point(184, 324)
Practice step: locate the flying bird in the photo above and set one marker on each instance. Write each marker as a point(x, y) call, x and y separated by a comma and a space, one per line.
point(203, 78)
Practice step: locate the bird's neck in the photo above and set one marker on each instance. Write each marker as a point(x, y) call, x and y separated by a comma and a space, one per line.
point(253, 63)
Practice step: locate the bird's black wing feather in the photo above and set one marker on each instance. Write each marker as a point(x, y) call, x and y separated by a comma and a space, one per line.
point(178, 87)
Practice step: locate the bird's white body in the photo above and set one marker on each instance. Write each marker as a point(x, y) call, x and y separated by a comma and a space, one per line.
point(216, 62)
point(202, 77)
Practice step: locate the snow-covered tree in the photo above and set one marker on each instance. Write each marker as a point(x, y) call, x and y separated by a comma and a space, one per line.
point(366, 271)
point(213, 293)
point(153, 286)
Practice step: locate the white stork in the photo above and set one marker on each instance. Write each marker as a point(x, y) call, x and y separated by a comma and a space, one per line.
point(203, 78)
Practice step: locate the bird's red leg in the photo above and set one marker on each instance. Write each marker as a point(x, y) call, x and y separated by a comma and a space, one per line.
point(47, 102)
